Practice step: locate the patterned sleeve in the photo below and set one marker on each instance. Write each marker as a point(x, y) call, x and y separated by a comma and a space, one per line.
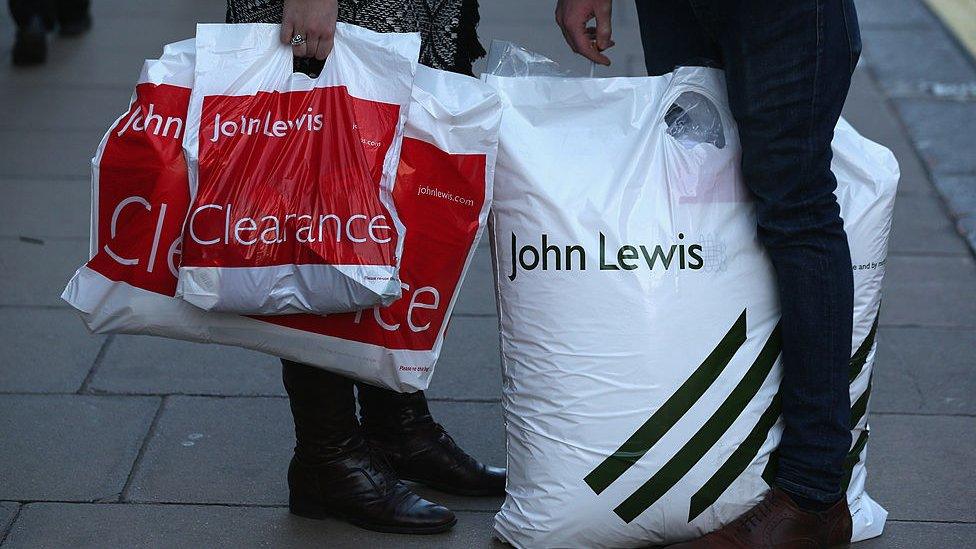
point(448, 27)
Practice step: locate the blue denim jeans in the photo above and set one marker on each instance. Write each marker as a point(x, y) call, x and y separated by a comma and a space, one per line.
point(788, 69)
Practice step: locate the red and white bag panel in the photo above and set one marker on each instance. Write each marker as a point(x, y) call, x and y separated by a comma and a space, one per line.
point(292, 176)
point(139, 201)
point(443, 194)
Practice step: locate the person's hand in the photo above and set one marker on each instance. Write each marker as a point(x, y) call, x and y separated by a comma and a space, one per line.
point(315, 20)
point(573, 16)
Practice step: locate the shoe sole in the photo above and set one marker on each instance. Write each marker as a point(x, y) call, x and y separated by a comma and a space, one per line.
point(319, 512)
point(455, 491)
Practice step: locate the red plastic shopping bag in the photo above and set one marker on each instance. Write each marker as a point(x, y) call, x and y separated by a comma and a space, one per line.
point(292, 176)
point(443, 193)
point(139, 194)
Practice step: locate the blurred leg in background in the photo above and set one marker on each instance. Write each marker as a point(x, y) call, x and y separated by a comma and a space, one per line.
point(35, 18)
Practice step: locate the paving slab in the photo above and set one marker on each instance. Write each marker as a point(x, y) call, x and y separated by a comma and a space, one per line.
point(39, 154)
point(45, 350)
point(96, 526)
point(893, 13)
point(56, 108)
point(154, 365)
point(28, 205)
point(910, 61)
point(959, 192)
point(916, 535)
point(69, 447)
point(869, 112)
point(111, 55)
point(35, 273)
point(930, 291)
point(106, 12)
point(920, 467)
point(925, 371)
point(469, 366)
point(216, 450)
point(8, 511)
point(236, 450)
point(477, 295)
point(920, 225)
point(943, 131)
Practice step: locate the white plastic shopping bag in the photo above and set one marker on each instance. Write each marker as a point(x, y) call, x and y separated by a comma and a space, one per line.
point(639, 315)
point(443, 194)
point(292, 176)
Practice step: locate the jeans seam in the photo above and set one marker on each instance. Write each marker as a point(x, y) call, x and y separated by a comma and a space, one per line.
point(786, 479)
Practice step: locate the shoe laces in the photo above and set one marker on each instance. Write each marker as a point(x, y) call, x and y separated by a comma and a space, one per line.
point(756, 515)
point(445, 438)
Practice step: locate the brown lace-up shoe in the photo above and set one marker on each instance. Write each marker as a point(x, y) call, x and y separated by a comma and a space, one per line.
point(777, 522)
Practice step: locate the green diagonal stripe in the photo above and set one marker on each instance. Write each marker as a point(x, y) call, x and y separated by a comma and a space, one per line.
point(857, 363)
point(671, 411)
point(860, 405)
point(737, 462)
point(707, 436)
point(853, 457)
point(860, 357)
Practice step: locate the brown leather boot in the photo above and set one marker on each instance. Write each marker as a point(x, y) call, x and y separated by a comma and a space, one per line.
point(777, 522)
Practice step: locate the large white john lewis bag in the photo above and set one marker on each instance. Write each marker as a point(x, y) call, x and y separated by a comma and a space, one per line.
point(443, 193)
point(292, 176)
point(638, 311)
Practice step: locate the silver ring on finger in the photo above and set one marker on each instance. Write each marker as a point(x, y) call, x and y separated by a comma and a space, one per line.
point(297, 40)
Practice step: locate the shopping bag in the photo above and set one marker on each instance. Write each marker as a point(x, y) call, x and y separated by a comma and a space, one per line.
point(639, 313)
point(443, 193)
point(139, 198)
point(292, 176)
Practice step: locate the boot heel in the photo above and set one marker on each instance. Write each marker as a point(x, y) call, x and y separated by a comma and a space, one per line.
point(307, 509)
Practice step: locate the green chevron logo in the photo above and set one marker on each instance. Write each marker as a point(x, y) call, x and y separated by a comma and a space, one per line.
point(689, 393)
point(746, 453)
point(685, 397)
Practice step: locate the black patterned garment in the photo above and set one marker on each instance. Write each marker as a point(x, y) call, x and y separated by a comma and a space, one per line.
point(448, 28)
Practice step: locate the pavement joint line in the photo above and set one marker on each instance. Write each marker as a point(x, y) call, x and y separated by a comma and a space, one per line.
point(230, 505)
point(10, 524)
point(35, 129)
point(103, 393)
point(960, 327)
point(923, 414)
point(935, 91)
point(929, 254)
point(50, 178)
point(136, 463)
point(927, 327)
point(41, 239)
point(54, 179)
point(449, 400)
point(925, 521)
point(99, 357)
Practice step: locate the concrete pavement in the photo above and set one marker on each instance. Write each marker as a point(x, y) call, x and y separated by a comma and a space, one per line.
point(112, 441)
